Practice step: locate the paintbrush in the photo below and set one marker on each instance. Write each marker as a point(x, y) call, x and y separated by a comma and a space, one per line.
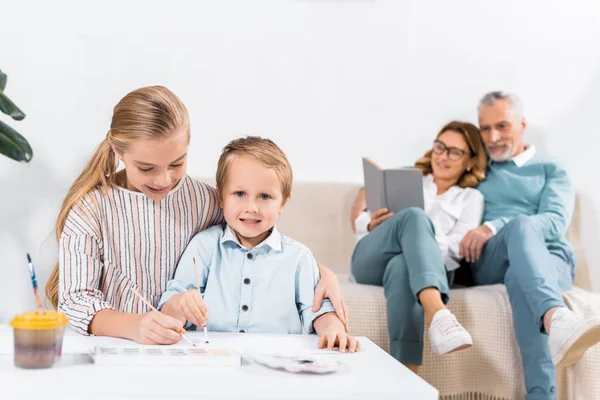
point(35, 285)
point(142, 298)
point(198, 287)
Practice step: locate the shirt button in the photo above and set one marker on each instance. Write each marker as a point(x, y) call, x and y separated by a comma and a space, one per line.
point(250, 256)
point(247, 281)
point(244, 308)
point(242, 331)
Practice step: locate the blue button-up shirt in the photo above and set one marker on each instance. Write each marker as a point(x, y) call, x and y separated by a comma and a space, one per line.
point(269, 289)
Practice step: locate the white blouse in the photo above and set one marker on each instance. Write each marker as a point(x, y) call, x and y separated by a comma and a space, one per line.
point(453, 214)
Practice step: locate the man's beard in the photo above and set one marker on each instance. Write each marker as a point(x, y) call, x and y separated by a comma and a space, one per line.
point(507, 155)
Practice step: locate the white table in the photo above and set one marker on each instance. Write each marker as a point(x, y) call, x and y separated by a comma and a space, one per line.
point(369, 374)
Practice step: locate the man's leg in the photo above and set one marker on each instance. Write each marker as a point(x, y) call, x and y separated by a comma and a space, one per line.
point(539, 370)
point(534, 278)
point(541, 278)
point(520, 245)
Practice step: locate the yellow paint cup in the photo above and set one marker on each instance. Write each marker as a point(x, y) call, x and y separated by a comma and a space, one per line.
point(38, 338)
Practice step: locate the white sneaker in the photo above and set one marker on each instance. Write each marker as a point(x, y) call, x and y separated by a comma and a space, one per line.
point(570, 336)
point(447, 335)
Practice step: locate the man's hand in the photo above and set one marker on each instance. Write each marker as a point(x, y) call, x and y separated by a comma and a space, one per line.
point(378, 217)
point(329, 287)
point(472, 244)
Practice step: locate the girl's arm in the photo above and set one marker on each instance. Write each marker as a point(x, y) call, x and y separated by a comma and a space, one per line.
point(324, 321)
point(112, 323)
point(329, 287)
point(81, 270)
point(150, 328)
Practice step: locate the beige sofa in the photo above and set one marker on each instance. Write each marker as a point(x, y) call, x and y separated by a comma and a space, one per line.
point(318, 216)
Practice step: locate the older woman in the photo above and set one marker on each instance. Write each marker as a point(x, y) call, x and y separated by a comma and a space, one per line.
point(410, 253)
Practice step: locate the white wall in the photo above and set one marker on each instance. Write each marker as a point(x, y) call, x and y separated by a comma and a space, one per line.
point(328, 80)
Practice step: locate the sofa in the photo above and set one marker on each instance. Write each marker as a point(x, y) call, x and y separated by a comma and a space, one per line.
point(318, 215)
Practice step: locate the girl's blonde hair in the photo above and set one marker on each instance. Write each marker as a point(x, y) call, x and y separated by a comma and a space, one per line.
point(263, 150)
point(152, 112)
point(476, 149)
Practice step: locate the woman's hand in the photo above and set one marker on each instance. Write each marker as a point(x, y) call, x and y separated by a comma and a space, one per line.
point(333, 334)
point(188, 305)
point(155, 327)
point(329, 287)
point(359, 205)
point(378, 217)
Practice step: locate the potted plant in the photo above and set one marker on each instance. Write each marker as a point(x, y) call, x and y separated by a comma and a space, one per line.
point(12, 144)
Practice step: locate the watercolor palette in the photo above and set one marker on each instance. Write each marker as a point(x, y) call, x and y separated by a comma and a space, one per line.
point(166, 356)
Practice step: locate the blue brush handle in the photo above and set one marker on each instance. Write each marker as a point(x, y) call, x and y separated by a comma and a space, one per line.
point(32, 272)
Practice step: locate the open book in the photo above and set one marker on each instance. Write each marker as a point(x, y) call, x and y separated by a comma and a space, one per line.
point(394, 189)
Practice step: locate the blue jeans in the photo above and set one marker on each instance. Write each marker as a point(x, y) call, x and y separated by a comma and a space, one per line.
point(403, 256)
point(534, 277)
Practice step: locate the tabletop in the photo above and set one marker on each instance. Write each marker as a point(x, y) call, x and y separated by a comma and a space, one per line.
point(369, 374)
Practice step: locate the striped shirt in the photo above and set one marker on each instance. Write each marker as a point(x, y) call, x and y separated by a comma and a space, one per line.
point(122, 239)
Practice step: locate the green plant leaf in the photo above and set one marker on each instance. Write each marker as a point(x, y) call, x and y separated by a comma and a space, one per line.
point(9, 108)
point(13, 145)
point(2, 81)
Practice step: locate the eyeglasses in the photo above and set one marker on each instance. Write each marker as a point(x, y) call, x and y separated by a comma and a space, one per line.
point(454, 153)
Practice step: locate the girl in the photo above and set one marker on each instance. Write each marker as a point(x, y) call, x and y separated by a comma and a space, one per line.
point(126, 230)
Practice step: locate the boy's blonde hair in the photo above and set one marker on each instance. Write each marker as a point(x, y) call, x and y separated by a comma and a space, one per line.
point(152, 112)
point(263, 150)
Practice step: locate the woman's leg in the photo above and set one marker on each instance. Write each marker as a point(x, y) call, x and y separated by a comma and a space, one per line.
point(403, 256)
point(432, 302)
point(409, 232)
point(404, 314)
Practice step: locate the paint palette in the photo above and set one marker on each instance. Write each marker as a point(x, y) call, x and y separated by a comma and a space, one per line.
point(166, 356)
point(297, 364)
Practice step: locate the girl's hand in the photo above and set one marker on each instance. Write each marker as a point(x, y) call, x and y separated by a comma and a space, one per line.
point(190, 306)
point(339, 338)
point(155, 327)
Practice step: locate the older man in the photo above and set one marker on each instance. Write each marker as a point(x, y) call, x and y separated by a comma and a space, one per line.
point(528, 206)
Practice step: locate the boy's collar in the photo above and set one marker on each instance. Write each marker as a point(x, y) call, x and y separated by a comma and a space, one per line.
point(273, 240)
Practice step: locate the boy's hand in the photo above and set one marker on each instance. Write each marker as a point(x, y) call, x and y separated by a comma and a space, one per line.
point(333, 334)
point(157, 328)
point(339, 339)
point(190, 306)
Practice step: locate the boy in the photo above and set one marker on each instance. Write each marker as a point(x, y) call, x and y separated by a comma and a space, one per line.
point(253, 279)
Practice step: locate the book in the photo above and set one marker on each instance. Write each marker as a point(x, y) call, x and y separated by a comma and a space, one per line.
point(394, 189)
